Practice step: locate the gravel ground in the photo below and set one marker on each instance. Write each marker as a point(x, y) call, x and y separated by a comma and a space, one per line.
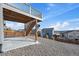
point(45, 48)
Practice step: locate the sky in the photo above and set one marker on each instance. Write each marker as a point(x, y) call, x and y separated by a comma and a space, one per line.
point(60, 16)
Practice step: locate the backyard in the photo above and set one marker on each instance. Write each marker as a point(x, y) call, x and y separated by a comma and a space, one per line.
point(46, 47)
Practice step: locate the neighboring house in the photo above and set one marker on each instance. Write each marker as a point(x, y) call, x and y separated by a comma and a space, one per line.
point(57, 35)
point(47, 32)
point(57, 32)
point(71, 34)
point(68, 35)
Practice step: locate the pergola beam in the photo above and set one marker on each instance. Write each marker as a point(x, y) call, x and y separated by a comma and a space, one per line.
point(14, 16)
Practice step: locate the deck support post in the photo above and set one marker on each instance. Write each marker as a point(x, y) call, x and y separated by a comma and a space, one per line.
point(1, 28)
point(25, 27)
point(36, 32)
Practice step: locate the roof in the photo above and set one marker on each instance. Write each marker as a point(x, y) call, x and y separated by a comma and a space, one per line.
point(47, 28)
point(67, 31)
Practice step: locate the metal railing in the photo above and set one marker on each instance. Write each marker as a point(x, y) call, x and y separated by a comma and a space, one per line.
point(26, 8)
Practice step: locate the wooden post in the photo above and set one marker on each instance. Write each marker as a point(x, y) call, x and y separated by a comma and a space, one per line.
point(36, 34)
point(25, 29)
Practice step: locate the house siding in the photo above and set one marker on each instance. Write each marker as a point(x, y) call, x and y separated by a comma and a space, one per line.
point(71, 35)
point(47, 31)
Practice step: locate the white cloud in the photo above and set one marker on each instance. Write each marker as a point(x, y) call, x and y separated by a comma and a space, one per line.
point(66, 25)
point(14, 25)
point(76, 28)
point(59, 26)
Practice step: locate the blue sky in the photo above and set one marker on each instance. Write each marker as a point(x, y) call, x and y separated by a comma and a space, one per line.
point(63, 16)
point(60, 16)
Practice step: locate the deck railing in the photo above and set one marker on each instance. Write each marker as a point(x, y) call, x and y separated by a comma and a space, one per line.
point(26, 8)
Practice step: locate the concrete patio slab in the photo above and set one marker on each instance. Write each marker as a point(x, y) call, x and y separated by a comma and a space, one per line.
point(17, 42)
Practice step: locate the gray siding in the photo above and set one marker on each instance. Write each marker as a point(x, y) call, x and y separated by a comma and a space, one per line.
point(71, 35)
point(47, 31)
